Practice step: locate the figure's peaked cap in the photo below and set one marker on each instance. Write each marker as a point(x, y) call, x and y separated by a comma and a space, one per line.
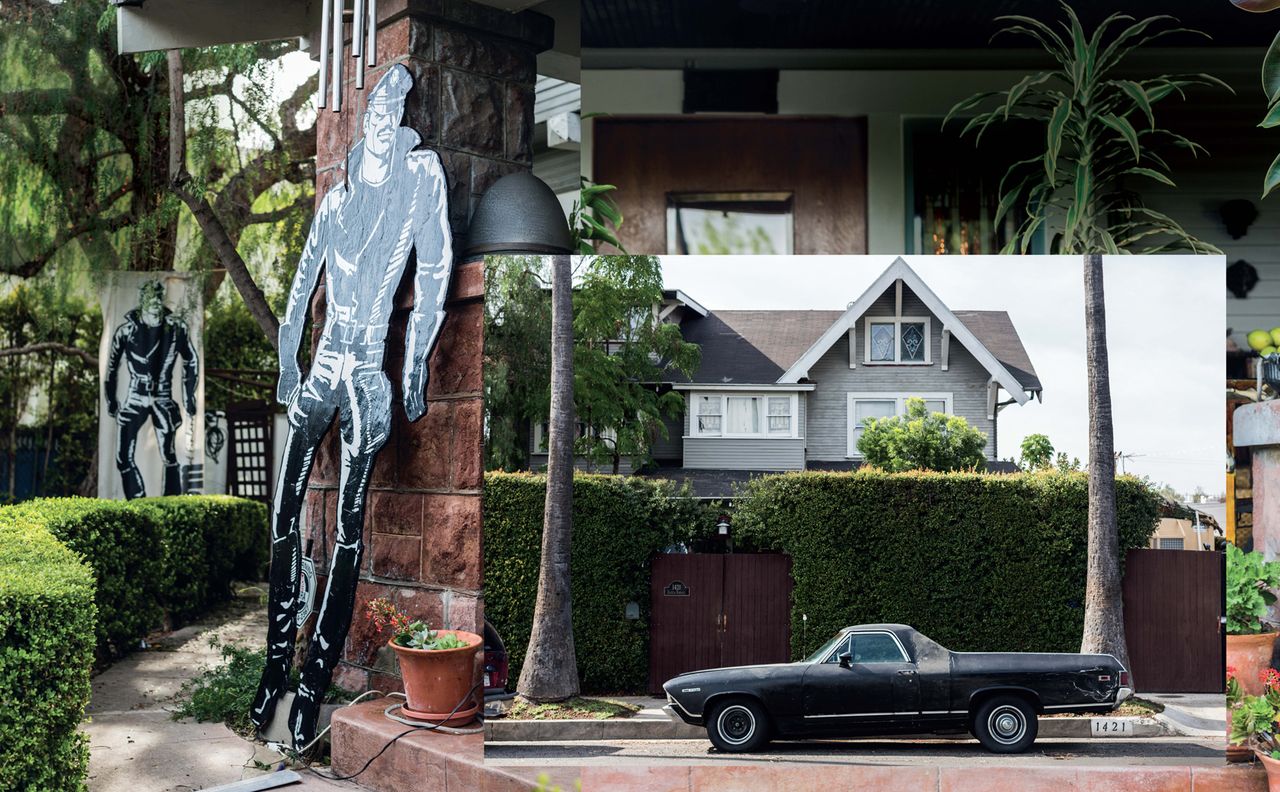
point(392, 87)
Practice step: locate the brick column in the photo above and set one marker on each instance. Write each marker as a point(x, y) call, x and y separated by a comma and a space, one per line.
point(472, 101)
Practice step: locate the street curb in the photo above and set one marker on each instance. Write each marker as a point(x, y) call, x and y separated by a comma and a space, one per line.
point(503, 730)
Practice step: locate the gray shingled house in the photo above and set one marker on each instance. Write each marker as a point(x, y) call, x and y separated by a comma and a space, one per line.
point(789, 390)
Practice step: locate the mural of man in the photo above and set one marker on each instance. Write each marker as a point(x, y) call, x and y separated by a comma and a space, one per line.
point(149, 342)
point(394, 200)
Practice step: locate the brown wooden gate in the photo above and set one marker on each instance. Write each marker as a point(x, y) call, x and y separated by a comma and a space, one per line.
point(1173, 606)
point(249, 450)
point(711, 610)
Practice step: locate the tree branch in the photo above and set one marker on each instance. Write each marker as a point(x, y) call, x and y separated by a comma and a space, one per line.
point(281, 213)
point(50, 346)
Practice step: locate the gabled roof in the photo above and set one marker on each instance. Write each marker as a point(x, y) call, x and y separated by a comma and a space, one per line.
point(752, 346)
point(899, 270)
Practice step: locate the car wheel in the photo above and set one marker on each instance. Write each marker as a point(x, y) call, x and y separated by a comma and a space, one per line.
point(738, 726)
point(1005, 724)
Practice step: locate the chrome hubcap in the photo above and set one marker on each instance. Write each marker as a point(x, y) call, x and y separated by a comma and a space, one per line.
point(1006, 724)
point(736, 724)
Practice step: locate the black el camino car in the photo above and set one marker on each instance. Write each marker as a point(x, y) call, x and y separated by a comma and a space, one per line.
point(885, 679)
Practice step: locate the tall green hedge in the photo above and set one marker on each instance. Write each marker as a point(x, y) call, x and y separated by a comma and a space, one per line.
point(154, 555)
point(617, 524)
point(976, 562)
point(208, 543)
point(46, 650)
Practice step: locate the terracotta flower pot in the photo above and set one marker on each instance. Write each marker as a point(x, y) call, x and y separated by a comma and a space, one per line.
point(436, 681)
point(1250, 654)
point(1273, 771)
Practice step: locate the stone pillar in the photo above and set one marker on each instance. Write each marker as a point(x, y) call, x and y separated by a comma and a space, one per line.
point(1257, 426)
point(472, 102)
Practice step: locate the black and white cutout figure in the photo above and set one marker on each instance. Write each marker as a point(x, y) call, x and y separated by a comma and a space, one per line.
point(149, 342)
point(394, 200)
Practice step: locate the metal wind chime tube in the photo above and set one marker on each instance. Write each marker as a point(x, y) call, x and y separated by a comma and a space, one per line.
point(337, 55)
point(357, 40)
point(370, 47)
point(324, 54)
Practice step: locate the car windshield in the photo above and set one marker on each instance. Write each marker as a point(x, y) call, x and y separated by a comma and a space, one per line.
point(818, 656)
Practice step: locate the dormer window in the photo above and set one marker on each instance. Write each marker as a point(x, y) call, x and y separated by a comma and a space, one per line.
point(898, 340)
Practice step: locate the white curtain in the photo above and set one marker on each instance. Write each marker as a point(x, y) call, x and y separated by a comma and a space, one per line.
point(743, 415)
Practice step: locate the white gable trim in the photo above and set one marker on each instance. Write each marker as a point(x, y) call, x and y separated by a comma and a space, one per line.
point(897, 272)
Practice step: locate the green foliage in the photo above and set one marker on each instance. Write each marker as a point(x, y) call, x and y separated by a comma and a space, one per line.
point(1271, 88)
point(1100, 133)
point(151, 555)
point(977, 562)
point(594, 219)
point(119, 543)
point(224, 694)
point(1251, 584)
point(619, 350)
point(209, 542)
point(1037, 452)
point(617, 523)
point(921, 440)
point(236, 343)
point(46, 650)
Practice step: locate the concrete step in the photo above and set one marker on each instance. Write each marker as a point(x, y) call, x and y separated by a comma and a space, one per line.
point(419, 760)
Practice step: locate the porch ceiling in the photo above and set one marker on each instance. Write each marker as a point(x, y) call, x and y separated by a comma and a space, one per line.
point(883, 24)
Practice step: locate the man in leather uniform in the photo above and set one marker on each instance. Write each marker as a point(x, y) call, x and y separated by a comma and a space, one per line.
point(149, 342)
point(394, 200)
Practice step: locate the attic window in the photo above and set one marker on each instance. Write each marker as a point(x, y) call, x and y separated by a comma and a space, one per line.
point(903, 340)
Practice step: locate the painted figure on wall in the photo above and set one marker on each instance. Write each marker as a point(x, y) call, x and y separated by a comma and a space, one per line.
point(149, 342)
point(393, 200)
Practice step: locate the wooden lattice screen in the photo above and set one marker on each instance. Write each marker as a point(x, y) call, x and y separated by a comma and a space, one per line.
point(249, 450)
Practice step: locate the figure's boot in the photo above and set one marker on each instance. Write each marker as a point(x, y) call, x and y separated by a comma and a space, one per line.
point(172, 479)
point(131, 482)
point(327, 641)
point(282, 609)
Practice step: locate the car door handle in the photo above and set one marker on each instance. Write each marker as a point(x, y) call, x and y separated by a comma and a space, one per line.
point(906, 672)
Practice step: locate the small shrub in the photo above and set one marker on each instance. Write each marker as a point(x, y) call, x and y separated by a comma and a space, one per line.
point(47, 619)
point(223, 694)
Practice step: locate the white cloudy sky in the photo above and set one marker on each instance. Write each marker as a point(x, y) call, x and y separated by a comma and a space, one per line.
point(1165, 328)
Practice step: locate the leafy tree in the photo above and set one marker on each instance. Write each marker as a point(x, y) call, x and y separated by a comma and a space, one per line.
point(921, 440)
point(1037, 452)
point(620, 352)
point(1100, 132)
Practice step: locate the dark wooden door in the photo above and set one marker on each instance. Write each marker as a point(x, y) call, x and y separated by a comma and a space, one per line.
point(1173, 604)
point(711, 610)
point(821, 162)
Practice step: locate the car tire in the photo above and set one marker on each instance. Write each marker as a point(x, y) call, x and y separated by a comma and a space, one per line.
point(1005, 724)
point(738, 726)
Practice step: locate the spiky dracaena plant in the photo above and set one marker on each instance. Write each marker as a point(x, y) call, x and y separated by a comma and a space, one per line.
point(1100, 131)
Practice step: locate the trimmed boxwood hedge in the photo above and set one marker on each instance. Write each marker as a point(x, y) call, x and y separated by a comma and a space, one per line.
point(617, 524)
point(155, 556)
point(976, 562)
point(46, 649)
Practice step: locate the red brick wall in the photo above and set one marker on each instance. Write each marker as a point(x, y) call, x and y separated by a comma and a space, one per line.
point(472, 101)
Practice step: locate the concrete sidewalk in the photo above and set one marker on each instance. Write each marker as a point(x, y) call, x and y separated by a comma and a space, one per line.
point(135, 746)
point(1192, 714)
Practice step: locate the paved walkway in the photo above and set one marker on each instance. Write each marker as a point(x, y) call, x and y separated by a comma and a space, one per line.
point(135, 745)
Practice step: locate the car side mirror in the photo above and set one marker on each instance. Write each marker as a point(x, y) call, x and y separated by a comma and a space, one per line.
point(846, 659)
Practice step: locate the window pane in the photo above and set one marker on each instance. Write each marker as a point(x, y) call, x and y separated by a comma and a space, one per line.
point(780, 415)
point(935, 405)
point(881, 341)
point(708, 415)
point(1170, 544)
point(834, 657)
point(874, 408)
point(729, 223)
point(875, 648)
point(708, 424)
point(913, 341)
point(743, 415)
point(779, 405)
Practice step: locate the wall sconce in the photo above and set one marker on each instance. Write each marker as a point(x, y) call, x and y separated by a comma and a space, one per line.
point(1241, 278)
point(1237, 215)
point(632, 611)
point(518, 214)
point(722, 526)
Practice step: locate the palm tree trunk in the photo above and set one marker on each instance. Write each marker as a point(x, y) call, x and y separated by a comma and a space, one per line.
point(1103, 600)
point(550, 671)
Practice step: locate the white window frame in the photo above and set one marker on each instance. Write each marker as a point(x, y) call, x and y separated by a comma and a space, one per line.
point(901, 409)
point(764, 433)
point(897, 322)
